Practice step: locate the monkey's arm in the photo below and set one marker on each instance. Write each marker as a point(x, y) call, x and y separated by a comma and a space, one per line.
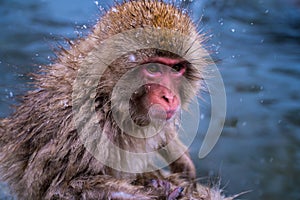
point(184, 163)
point(98, 187)
point(107, 187)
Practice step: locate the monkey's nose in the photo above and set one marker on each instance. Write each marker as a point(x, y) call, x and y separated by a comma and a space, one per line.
point(168, 98)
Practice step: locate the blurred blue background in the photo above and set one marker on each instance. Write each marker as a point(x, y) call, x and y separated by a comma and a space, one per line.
point(258, 44)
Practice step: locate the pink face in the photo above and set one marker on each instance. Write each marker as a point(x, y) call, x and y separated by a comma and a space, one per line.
point(163, 77)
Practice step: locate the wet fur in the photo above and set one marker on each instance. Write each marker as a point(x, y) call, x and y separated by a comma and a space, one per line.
point(41, 155)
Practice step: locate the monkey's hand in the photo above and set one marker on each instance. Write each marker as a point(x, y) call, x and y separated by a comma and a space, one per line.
point(169, 193)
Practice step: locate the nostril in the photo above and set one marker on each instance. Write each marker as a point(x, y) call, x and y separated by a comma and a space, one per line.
point(166, 99)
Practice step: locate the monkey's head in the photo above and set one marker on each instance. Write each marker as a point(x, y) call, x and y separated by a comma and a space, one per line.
point(149, 59)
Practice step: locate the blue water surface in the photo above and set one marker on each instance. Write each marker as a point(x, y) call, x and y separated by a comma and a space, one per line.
point(257, 43)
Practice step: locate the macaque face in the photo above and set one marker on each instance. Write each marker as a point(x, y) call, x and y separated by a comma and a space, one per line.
point(159, 96)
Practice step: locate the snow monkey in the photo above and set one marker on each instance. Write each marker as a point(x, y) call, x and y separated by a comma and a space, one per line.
point(107, 109)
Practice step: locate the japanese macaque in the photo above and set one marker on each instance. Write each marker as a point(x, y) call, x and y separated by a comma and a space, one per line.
point(107, 109)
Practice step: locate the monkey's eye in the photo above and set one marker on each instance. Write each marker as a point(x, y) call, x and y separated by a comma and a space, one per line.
point(153, 69)
point(178, 68)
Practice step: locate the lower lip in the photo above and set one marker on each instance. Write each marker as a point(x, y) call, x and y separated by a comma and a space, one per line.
point(170, 114)
point(164, 114)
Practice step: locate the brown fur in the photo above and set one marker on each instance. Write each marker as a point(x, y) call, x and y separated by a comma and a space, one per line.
point(41, 155)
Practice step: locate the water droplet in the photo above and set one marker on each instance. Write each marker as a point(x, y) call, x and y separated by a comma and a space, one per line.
point(65, 103)
point(101, 8)
point(233, 30)
point(202, 116)
point(132, 58)
point(221, 22)
point(114, 9)
point(261, 88)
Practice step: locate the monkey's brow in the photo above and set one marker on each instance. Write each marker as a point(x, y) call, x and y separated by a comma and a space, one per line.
point(165, 61)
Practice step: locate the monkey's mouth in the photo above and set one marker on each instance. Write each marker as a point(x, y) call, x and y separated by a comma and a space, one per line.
point(163, 114)
point(170, 114)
